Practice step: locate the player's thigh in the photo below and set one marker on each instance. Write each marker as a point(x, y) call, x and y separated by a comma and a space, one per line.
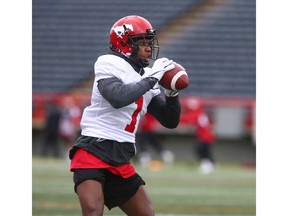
point(88, 186)
point(139, 205)
point(90, 194)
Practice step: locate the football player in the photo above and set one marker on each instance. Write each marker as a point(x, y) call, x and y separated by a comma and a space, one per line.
point(125, 88)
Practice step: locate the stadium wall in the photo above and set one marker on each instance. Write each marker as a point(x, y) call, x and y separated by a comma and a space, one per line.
point(233, 119)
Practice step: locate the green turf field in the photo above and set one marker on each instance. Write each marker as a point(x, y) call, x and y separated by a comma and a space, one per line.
point(176, 190)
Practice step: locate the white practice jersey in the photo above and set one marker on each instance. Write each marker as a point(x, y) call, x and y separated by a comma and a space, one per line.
point(100, 119)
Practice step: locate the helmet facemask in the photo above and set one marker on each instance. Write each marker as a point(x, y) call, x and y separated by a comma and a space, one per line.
point(150, 40)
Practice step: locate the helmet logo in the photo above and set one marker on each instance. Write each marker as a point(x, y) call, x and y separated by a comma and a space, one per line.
point(120, 30)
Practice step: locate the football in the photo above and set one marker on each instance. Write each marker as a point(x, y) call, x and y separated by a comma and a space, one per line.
point(175, 79)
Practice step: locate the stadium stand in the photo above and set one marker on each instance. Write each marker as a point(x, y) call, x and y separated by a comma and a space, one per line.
point(219, 51)
point(68, 35)
point(217, 48)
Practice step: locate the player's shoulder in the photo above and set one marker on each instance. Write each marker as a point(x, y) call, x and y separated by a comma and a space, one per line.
point(110, 59)
point(111, 65)
point(107, 57)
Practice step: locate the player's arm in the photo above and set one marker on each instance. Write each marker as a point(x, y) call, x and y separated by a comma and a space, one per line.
point(167, 112)
point(119, 94)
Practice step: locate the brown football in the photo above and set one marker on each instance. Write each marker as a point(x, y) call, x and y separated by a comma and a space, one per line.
point(175, 79)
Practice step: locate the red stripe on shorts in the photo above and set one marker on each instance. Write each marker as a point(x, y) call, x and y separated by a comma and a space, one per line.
point(85, 160)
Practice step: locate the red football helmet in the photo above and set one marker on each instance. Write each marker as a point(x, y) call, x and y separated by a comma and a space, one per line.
point(125, 33)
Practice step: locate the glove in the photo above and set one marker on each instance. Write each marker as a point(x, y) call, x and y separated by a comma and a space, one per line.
point(160, 66)
point(170, 93)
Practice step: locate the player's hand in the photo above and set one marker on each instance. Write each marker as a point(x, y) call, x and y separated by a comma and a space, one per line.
point(160, 66)
point(170, 93)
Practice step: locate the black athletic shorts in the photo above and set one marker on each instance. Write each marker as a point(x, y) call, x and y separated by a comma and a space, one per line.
point(117, 190)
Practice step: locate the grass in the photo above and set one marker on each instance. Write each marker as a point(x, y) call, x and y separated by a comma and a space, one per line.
point(174, 190)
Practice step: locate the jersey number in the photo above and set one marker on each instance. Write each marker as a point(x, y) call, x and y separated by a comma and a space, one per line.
point(131, 127)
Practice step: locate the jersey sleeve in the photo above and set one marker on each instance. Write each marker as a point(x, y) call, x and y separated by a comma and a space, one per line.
point(119, 94)
point(167, 112)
